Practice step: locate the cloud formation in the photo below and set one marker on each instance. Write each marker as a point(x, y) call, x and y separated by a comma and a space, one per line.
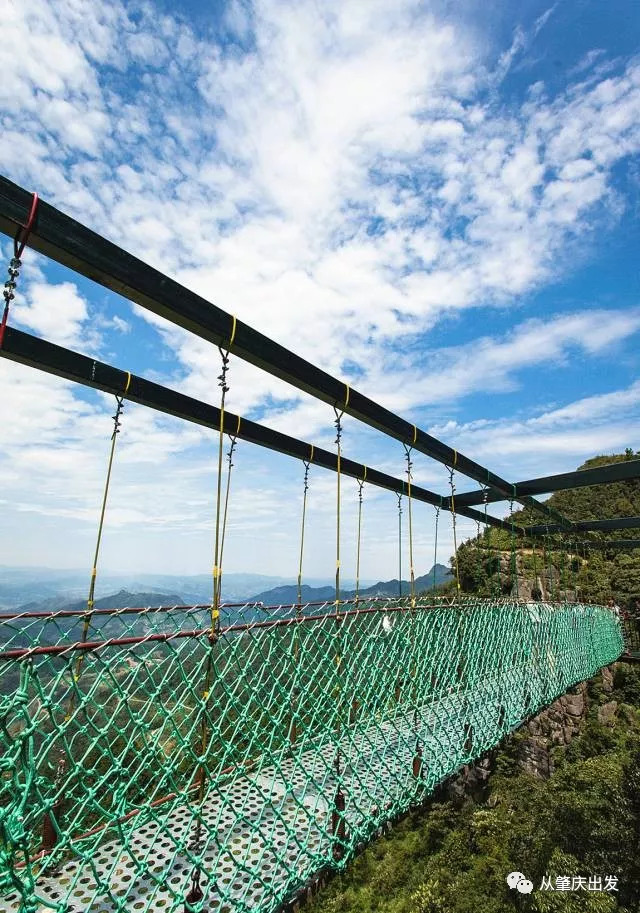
point(349, 178)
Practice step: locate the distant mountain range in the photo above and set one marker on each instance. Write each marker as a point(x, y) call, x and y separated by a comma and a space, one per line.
point(71, 627)
point(25, 586)
point(121, 600)
point(47, 589)
point(282, 595)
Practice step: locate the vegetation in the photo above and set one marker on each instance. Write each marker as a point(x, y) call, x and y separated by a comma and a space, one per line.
point(454, 856)
point(584, 820)
point(556, 565)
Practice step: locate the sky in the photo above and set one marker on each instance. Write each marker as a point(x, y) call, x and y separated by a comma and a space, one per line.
point(438, 203)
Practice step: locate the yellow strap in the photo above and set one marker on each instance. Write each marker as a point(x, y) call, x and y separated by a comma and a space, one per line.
point(311, 454)
point(216, 573)
point(346, 402)
point(364, 477)
point(128, 384)
point(233, 331)
point(455, 458)
point(238, 428)
point(415, 434)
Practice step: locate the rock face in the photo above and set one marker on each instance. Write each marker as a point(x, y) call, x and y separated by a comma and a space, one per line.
point(607, 712)
point(558, 724)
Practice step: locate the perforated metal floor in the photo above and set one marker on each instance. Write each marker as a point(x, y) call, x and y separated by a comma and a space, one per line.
point(249, 851)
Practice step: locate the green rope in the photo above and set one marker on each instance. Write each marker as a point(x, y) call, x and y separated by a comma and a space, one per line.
point(269, 812)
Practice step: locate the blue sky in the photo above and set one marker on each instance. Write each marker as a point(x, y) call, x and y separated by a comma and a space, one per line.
point(437, 202)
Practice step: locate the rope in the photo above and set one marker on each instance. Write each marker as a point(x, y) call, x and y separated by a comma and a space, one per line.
point(338, 823)
point(233, 438)
point(133, 749)
point(399, 497)
point(514, 563)
point(217, 570)
point(51, 822)
point(338, 424)
point(295, 691)
point(487, 536)
point(306, 463)
point(479, 561)
point(435, 548)
point(19, 243)
point(563, 569)
point(407, 451)
point(453, 518)
point(548, 564)
point(535, 567)
point(195, 893)
point(94, 570)
point(360, 483)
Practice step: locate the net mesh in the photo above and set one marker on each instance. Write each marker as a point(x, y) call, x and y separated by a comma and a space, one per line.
point(319, 725)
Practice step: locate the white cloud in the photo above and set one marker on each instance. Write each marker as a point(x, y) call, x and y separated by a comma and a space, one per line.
point(57, 312)
point(556, 439)
point(342, 176)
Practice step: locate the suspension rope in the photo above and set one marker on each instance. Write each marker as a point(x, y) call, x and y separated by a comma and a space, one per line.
point(338, 423)
point(399, 497)
point(94, 570)
point(305, 489)
point(360, 483)
point(453, 519)
point(295, 691)
point(195, 893)
point(563, 568)
point(338, 822)
point(233, 438)
point(435, 548)
point(535, 568)
point(487, 536)
point(19, 244)
point(407, 450)
point(548, 562)
point(50, 832)
point(514, 562)
point(217, 570)
point(479, 555)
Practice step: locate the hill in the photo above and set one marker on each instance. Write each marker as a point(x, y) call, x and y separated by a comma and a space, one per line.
point(561, 566)
point(581, 817)
point(122, 600)
point(283, 595)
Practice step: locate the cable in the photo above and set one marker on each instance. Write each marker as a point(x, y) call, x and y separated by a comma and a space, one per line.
point(360, 487)
point(453, 520)
point(412, 578)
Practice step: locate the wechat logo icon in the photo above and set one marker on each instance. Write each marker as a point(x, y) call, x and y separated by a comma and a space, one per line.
point(519, 882)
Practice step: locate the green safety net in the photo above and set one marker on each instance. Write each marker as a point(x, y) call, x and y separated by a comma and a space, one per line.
point(124, 786)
